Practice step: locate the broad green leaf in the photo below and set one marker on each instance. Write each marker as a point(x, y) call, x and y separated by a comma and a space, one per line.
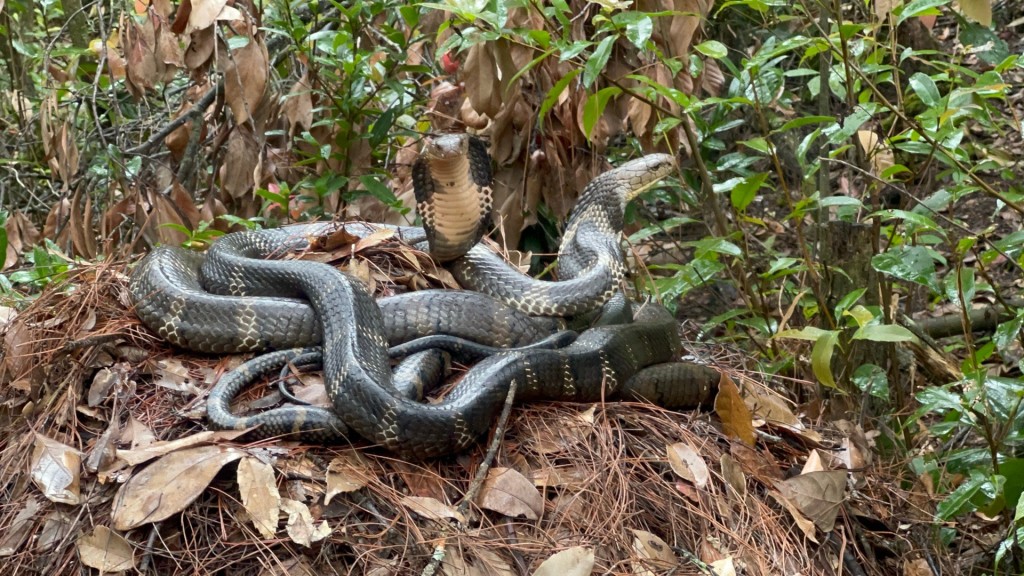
point(884, 333)
point(597, 61)
point(377, 189)
point(594, 108)
point(712, 49)
point(872, 379)
point(919, 8)
point(821, 358)
point(846, 301)
point(556, 91)
point(810, 333)
point(744, 193)
point(959, 501)
point(925, 88)
point(860, 315)
point(638, 27)
point(1007, 332)
point(911, 263)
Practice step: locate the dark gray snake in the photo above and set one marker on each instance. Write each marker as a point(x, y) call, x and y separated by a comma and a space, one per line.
point(355, 336)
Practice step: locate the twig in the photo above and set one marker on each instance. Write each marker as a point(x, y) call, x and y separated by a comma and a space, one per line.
point(481, 473)
point(196, 110)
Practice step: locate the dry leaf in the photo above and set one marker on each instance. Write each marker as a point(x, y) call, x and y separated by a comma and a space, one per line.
point(245, 79)
point(168, 485)
point(172, 374)
point(734, 477)
point(688, 464)
point(55, 470)
point(978, 10)
point(510, 493)
point(917, 567)
point(736, 420)
point(106, 551)
point(431, 508)
point(204, 13)
point(347, 472)
point(655, 554)
point(576, 561)
point(724, 567)
point(818, 495)
point(805, 525)
point(813, 463)
point(148, 451)
point(480, 76)
point(260, 496)
point(20, 528)
point(300, 523)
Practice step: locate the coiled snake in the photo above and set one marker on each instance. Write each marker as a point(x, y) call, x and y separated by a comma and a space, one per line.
point(259, 311)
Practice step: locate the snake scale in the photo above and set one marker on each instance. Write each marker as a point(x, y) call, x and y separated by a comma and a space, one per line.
point(258, 310)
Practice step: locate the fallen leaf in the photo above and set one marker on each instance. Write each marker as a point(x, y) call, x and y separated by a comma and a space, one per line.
point(106, 551)
point(260, 497)
point(688, 464)
point(301, 528)
point(805, 525)
point(818, 495)
point(156, 449)
point(734, 477)
point(168, 485)
point(347, 472)
point(20, 528)
point(575, 561)
point(55, 470)
point(655, 554)
point(173, 375)
point(735, 416)
point(431, 508)
point(510, 493)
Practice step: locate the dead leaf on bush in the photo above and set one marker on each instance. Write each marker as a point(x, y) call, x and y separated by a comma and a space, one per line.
point(688, 464)
point(818, 495)
point(245, 79)
point(510, 493)
point(576, 561)
point(260, 497)
point(168, 485)
point(735, 416)
point(106, 551)
point(55, 470)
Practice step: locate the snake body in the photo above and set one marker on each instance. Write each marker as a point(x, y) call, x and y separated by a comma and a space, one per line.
point(590, 257)
point(355, 336)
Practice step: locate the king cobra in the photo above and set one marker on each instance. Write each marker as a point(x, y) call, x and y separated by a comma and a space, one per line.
point(258, 310)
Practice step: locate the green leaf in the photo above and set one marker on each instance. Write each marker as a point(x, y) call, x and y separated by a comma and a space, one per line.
point(809, 333)
point(925, 88)
point(597, 61)
point(594, 108)
point(821, 358)
point(1007, 332)
point(378, 190)
point(848, 301)
point(918, 8)
point(911, 263)
point(860, 315)
point(552, 96)
point(872, 379)
point(744, 193)
point(712, 49)
point(639, 27)
point(959, 501)
point(884, 333)
point(965, 286)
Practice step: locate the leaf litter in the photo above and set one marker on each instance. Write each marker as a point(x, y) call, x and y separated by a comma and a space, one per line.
point(618, 487)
